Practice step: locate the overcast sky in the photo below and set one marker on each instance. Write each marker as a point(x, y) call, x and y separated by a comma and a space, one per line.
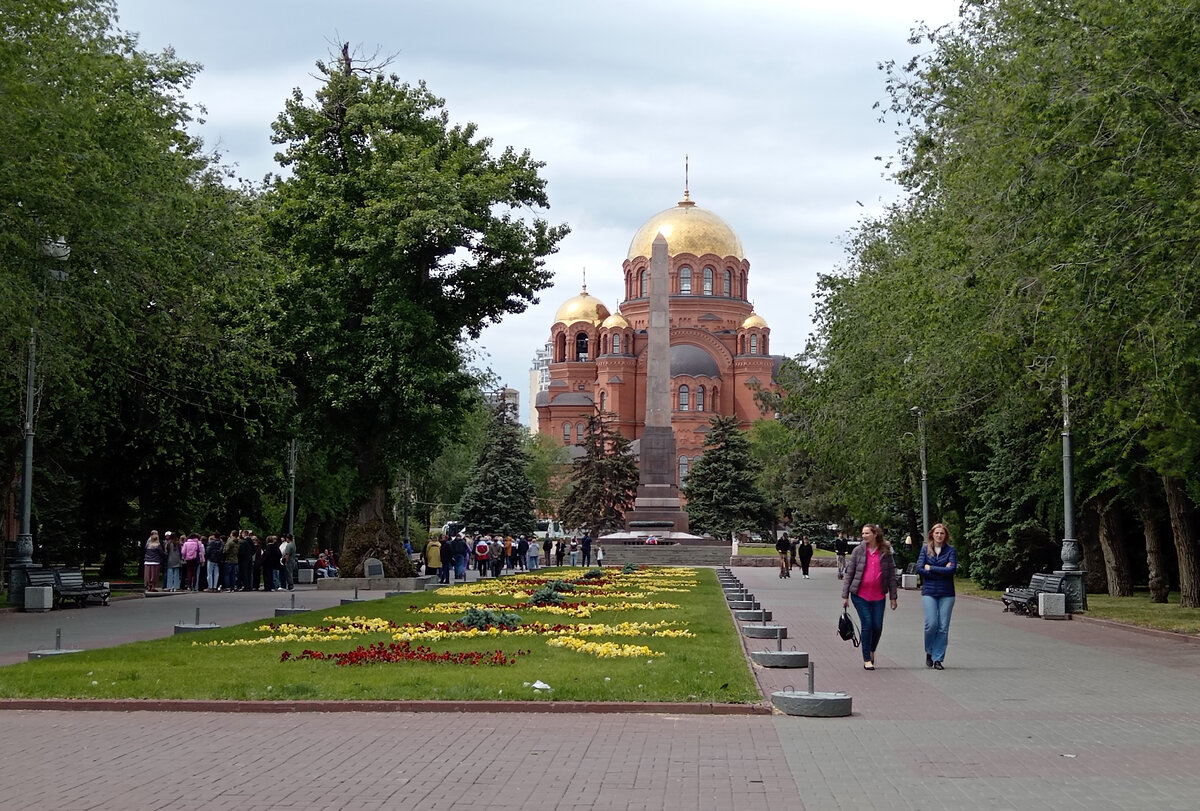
point(772, 99)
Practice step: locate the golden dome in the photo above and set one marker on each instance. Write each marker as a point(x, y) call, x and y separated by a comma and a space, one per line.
point(687, 229)
point(754, 321)
point(615, 320)
point(584, 307)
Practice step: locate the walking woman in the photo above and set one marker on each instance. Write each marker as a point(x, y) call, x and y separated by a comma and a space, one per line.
point(804, 551)
point(937, 564)
point(152, 559)
point(870, 579)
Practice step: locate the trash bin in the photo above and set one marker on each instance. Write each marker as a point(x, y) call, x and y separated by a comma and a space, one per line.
point(304, 576)
point(39, 598)
point(909, 581)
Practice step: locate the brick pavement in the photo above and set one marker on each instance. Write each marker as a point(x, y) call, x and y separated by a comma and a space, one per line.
point(1028, 713)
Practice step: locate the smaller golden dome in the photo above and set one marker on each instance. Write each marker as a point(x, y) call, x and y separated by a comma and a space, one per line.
point(584, 307)
point(754, 321)
point(616, 320)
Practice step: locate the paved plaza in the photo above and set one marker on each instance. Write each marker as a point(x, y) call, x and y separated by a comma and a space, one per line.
point(1028, 713)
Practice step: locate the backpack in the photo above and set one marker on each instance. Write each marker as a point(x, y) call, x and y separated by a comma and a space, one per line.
point(215, 551)
point(846, 629)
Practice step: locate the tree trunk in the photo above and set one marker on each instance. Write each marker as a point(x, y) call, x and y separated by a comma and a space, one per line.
point(1116, 562)
point(374, 507)
point(1096, 577)
point(1183, 529)
point(1156, 562)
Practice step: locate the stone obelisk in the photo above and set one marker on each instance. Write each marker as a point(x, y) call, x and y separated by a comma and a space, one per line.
point(656, 508)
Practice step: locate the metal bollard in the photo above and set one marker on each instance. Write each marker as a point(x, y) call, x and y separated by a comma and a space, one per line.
point(811, 678)
point(197, 615)
point(58, 638)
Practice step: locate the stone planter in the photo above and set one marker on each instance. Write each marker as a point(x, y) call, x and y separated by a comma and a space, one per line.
point(743, 605)
point(761, 615)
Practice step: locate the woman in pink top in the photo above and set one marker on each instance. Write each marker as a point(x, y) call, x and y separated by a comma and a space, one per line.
point(870, 578)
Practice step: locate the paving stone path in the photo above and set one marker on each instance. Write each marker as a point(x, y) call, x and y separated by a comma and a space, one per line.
point(1028, 713)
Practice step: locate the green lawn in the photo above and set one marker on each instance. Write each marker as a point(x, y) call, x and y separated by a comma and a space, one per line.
point(743, 549)
point(1135, 610)
point(708, 666)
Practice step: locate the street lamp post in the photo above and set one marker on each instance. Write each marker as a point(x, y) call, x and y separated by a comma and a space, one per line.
point(920, 415)
point(59, 250)
point(291, 522)
point(1073, 585)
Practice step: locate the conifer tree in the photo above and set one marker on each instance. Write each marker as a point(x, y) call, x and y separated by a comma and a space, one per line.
point(499, 496)
point(604, 482)
point(723, 496)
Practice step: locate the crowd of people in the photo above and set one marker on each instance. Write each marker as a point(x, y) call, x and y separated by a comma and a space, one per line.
point(492, 555)
point(238, 561)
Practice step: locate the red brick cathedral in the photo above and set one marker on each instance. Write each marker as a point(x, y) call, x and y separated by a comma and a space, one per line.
point(720, 348)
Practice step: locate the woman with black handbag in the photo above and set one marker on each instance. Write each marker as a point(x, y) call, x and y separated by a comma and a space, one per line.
point(870, 579)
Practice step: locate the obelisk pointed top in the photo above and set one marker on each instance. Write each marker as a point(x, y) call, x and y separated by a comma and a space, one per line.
point(585, 281)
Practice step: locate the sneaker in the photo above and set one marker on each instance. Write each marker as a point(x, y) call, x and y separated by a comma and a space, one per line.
point(929, 660)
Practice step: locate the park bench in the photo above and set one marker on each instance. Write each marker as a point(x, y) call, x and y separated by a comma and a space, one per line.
point(1024, 601)
point(69, 585)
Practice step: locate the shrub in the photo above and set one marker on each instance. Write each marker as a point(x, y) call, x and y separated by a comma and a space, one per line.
point(560, 585)
point(629, 568)
point(593, 574)
point(484, 617)
point(545, 596)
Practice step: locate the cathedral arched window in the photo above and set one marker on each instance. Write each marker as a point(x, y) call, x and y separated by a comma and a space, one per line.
point(700, 398)
point(581, 346)
point(566, 433)
point(642, 284)
point(684, 397)
point(683, 470)
point(753, 344)
point(728, 283)
point(579, 432)
point(560, 347)
point(708, 281)
point(616, 343)
point(604, 401)
point(685, 280)
point(604, 345)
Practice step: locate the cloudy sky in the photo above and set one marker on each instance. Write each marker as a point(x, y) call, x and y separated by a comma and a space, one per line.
point(772, 100)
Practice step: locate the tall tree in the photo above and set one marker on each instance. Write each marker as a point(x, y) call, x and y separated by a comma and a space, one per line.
point(499, 496)
point(401, 233)
point(723, 496)
point(603, 482)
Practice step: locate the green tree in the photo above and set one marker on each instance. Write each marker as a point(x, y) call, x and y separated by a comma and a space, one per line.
point(401, 234)
point(499, 496)
point(156, 382)
point(548, 461)
point(723, 495)
point(603, 482)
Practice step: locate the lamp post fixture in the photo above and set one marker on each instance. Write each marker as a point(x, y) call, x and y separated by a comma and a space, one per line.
point(59, 250)
point(1073, 585)
point(919, 413)
point(291, 522)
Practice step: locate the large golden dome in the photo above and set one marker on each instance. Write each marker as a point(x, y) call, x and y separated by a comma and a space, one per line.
point(687, 229)
point(584, 307)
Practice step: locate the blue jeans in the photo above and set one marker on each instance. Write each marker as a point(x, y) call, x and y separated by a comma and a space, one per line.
point(870, 617)
point(937, 624)
point(532, 561)
point(172, 578)
point(230, 581)
point(574, 558)
point(214, 574)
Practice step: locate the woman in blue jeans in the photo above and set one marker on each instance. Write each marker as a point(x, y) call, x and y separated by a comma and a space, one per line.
point(937, 564)
point(870, 579)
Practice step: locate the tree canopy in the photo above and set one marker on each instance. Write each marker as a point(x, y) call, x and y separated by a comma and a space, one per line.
point(603, 481)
